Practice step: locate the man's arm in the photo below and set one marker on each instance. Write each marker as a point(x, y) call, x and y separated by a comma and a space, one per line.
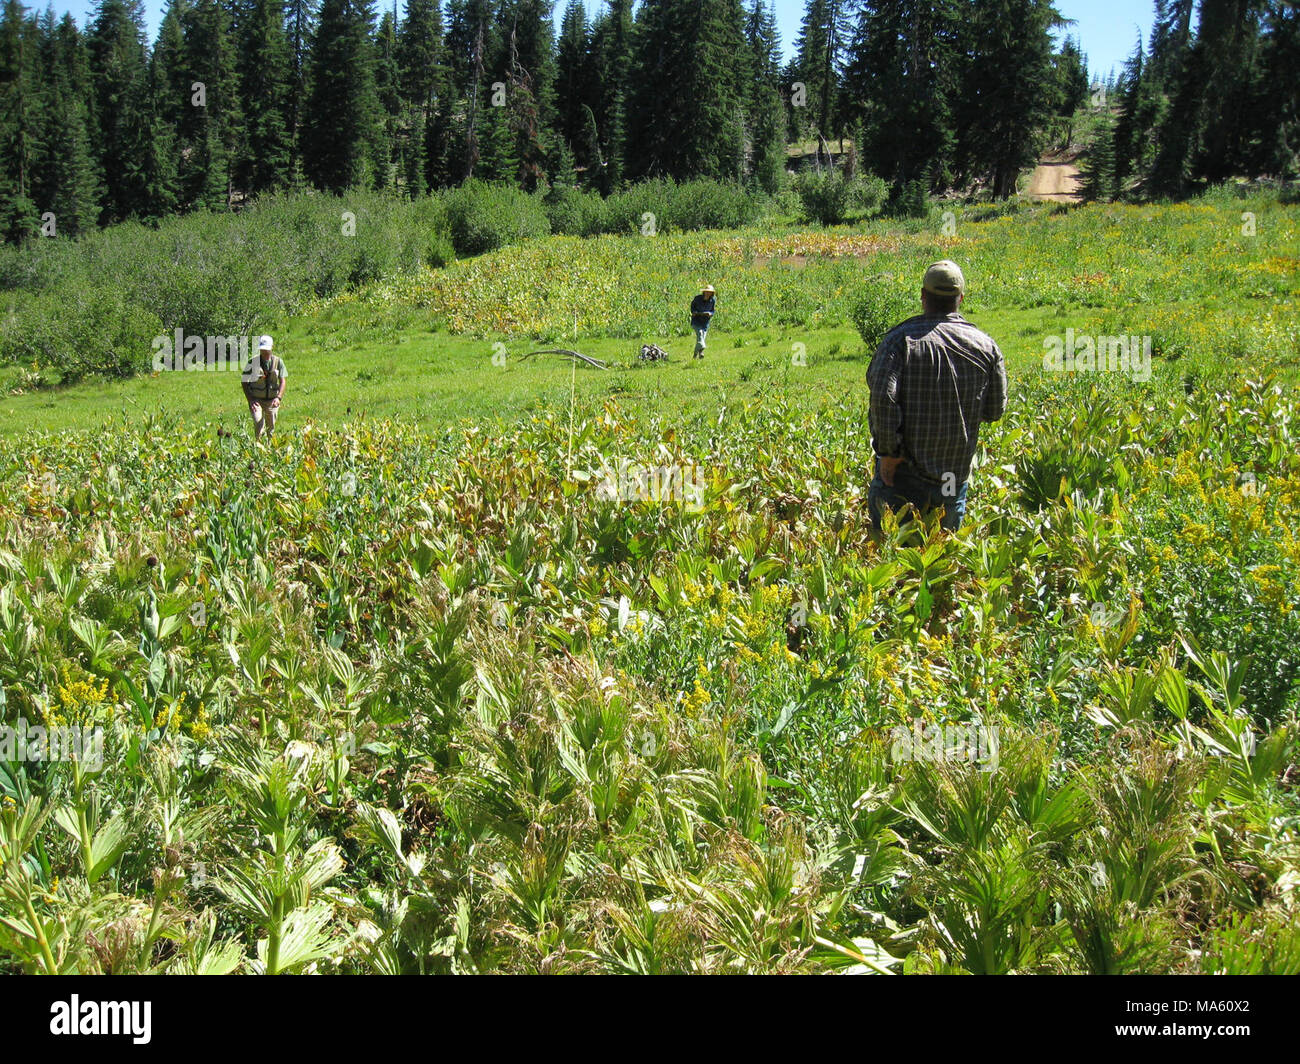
point(885, 414)
point(284, 379)
point(995, 395)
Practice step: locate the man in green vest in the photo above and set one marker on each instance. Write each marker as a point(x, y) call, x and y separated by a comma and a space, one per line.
point(263, 380)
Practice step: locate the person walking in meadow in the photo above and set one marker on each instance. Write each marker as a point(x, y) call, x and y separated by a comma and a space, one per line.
point(263, 381)
point(702, 307)
point(934, 380)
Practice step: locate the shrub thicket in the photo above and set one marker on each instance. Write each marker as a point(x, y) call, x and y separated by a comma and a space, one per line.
point(483, 217)
point(830, 197)
point(92, 306)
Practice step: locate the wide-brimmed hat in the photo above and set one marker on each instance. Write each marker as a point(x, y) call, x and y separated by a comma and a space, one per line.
point(708, 288)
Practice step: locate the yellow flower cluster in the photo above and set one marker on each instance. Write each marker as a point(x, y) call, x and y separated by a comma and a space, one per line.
point(1198, 535)
point(695, 700)
point(1271, 591)
point(77, 700)
point(174, 718)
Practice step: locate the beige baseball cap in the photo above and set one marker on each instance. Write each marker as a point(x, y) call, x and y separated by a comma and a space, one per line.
point(944, 278)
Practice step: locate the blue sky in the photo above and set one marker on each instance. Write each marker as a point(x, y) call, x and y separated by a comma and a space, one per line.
point(1107, 29)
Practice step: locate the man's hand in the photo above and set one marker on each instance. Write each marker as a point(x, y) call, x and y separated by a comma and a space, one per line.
point(888, 466)
point(275, 403)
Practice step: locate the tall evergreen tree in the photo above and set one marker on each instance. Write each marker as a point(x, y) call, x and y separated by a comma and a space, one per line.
point(1171, 38)
point(1134, 125)
point(211, 126)
point(1007, 91)
point(301, 17)
point(18, 121)
point(1099, 168)
point(65, 180)
point(765, 114)
point(1229, 34)
point(573, 85)
point(423, 73)
point(819, 55)
point(1071, 84)
point(1276, 105)
point(473, 52)
point(529, 76)
point(169, 67)
point(686, 108)
point(131, 141)
point(342, 115)
point(902, 74)
point(606, 138)
point(265, 87)
point(391, 129)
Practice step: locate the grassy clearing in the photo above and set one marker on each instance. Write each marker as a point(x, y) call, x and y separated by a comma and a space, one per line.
point(419, 346)
point(436, 380)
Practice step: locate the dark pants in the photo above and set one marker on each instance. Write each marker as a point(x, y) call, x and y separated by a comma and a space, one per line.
point(925, 495)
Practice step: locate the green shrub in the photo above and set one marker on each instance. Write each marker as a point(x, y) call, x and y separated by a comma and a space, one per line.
point(881, 306)
point(484, 217)
point(574, 212)
point(706, 204)
point(911, 200)
point(439, 251)
point(830, 197)
point(205, 273)
point(690, 206)
point(625, 211)
point(94, 331)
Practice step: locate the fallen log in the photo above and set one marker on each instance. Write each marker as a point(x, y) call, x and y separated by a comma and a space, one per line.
point(577, 356)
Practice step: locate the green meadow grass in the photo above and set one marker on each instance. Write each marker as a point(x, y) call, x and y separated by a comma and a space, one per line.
point(433, 379)
point(1220, 302)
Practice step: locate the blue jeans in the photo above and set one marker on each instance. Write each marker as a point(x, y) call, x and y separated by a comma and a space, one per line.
point(701, 334)
point(924, 494)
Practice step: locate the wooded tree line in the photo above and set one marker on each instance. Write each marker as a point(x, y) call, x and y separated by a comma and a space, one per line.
point(1214, 93)
point(239, 97)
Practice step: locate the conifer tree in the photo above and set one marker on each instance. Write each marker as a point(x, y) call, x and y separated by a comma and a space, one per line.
point(686, 108)
point(574, 80)
point(1006, 96)
point(301, 17)
point(265, 86)
point(423, 79)
point(605, 139)
point(342, 114)
point(125, 135)
point(902, 76)
point(65, 180)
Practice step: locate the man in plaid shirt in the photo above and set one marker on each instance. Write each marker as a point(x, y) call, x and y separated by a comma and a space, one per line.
point(934, 379)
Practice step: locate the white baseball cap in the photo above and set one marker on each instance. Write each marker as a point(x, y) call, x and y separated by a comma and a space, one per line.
point(264, 344)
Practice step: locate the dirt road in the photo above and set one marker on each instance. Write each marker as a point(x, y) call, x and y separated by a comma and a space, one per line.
point(1057, 181)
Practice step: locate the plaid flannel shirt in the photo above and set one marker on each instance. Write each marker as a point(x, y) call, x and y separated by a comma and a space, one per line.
point(934, 379)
